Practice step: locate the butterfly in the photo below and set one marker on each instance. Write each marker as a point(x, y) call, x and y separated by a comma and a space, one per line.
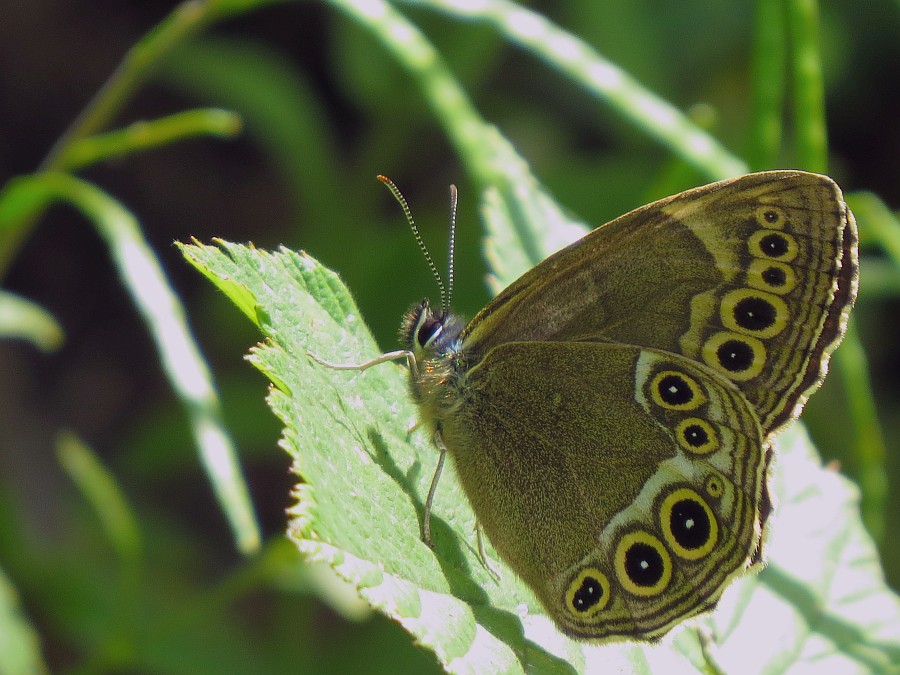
point(610, 414)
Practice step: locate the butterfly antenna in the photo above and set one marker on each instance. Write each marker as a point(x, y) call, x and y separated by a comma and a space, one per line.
point(454, 198)
point(412, 224)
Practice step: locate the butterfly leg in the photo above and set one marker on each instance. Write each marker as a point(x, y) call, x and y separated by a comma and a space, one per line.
point(390, 356)
point(482, 554)
point(411, 429)
point(426, 524)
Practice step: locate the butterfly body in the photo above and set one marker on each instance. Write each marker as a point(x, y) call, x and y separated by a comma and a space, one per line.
point(610, 413)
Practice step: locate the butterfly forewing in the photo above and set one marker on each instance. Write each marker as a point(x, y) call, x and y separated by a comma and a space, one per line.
point(753, 277)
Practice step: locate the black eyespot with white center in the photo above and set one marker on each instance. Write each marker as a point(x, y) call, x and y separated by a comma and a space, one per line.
point(774, 276)
point(675, 390)
point(735, 355)
point(696, 436)
point(643, 565)
point(688, 523)
point(714, 486)
point(754, 313)
point(739, 357)
point(588, 593)
point(771, 276)
point(774, 245)
point(771, 217)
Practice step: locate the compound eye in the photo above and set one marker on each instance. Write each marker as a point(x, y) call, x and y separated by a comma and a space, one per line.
point(428, 332)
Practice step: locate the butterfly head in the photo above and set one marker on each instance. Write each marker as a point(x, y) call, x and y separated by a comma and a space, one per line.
point(428, 332)
point(438, 368)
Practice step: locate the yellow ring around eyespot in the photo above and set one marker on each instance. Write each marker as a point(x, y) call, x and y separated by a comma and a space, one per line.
point(714, 486)
point(665, 517)
point(763, 211)
point(760, 266)
point(731, 300)
point(755, 245)
point(711, 357)
point(641, 537)
point(697, 399)
point(712, 443)
point(578, 582)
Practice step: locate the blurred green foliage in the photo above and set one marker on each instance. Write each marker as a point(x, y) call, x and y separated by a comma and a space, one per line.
point(325, 106)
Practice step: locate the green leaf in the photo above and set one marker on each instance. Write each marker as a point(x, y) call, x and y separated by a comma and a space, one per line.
point(150, 134)
point(19, 645)
point(21, 318)
point(821, 601)
point(161, 309)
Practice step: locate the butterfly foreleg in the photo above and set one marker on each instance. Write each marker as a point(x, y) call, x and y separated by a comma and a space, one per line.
point(426, 519)
point(482, 554)
point(384, 358)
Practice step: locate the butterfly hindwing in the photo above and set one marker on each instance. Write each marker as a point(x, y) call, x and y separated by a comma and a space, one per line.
point(627, 452)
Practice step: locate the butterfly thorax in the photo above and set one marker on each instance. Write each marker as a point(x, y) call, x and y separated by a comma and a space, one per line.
point(437, 381)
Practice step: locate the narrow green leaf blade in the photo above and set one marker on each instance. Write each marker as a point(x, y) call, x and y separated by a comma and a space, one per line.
point(21, 318)
point(20, 652)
